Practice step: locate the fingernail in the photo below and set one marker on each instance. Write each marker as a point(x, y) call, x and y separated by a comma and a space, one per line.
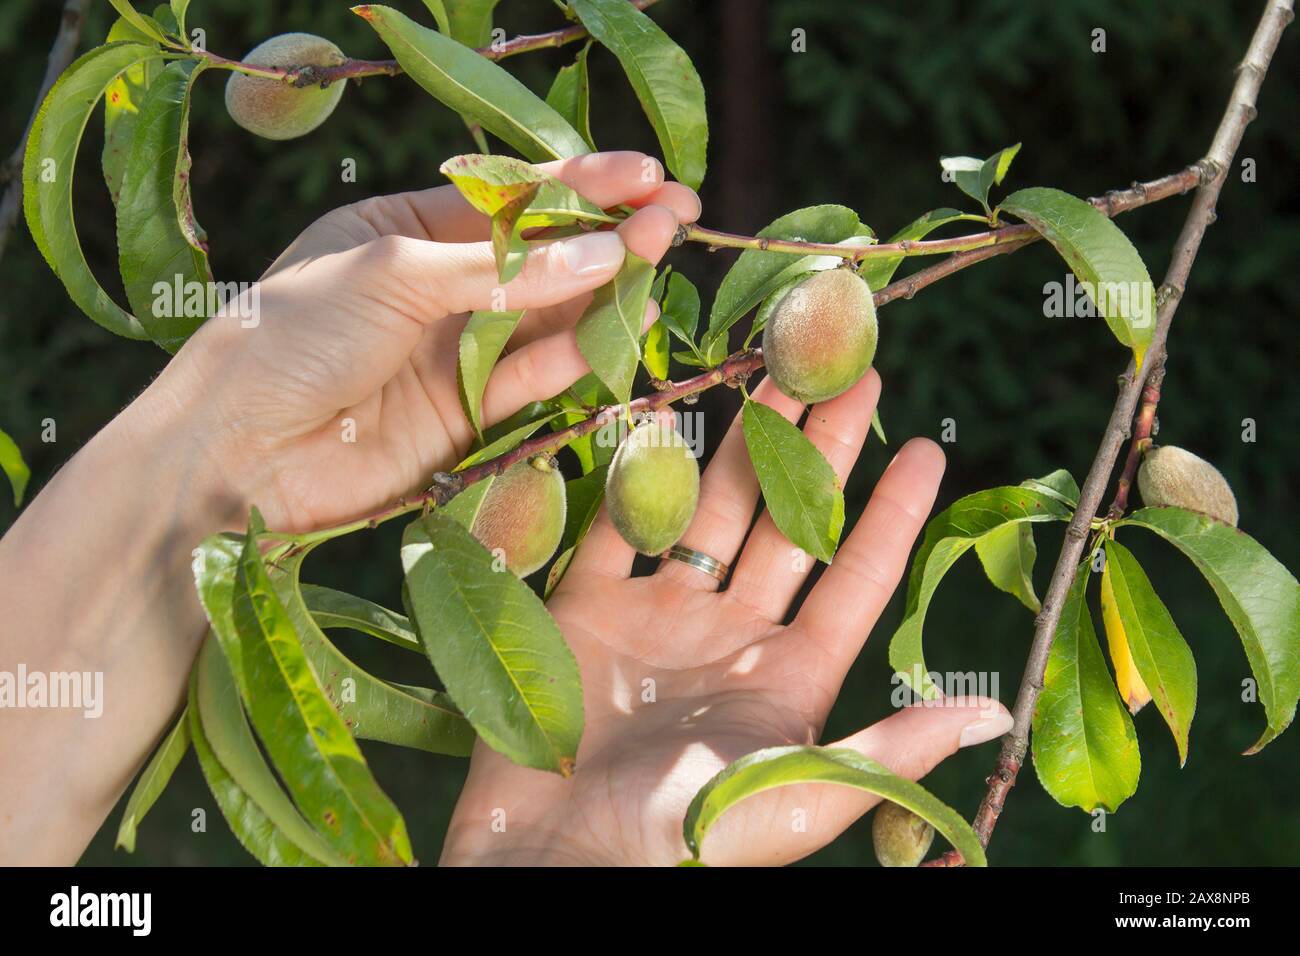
point(593, 252)
point(985, 728)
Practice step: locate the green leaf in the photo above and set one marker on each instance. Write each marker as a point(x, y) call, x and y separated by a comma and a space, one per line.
point(306, 738)
point(1162, 657)
point(481, 344)
point(655, 351)
point(161, 247)
point(122, 101)
point(471, 20)
point(474, 86)
point(878, 427)
point(338, 609)
point(1100, 255)
point(259, 813)
point(1007, 554)
point(570, 96)
point(141, 21)
point(947, 537)
point(12, 464)
point(1060, 485)
point(154, 780)
point(799, 485)
point(372, 709)
point(680, 309)
point(439, 13)
point(179, 8)
point(663, 77)
point(586, 393)
point(975, 177)
point(878, 270)
point(1259, 595)
point(756, 274)
point(1085, 748)
point(799, 764)
point(506, 442)
point(48, 169)
point(500, 654)
point(609, 332)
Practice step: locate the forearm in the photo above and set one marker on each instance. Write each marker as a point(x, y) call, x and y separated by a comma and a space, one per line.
point(95, 580)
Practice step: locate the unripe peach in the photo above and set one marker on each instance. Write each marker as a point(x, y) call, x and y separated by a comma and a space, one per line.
point(522, 514)
point(275, 109)
point(899, 836)
point(652, 487)
point(1172, 477)
point(821, 336)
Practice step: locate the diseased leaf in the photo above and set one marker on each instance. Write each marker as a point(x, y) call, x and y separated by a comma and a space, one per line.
point(474, 86)
point(1100, 255)
point(48, 167)
point(500, 654)
point(260, 814)
point(122, 101)
point(947, 537)
point(490, 183)
point(663, 77)
point(158, 240)
point(481, 344)
point(154, 780)
point(783, 766)
point(1085, 749)
point(756, 273)
point(12, 464)
point(307, 740)
point(798, 483)
point(1162, 657)
point(609, 332)
point(1259, 595)
point(570, 96)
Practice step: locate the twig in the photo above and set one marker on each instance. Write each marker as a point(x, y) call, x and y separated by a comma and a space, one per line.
point(1240, 111)
point(356, 69)
point(738, 367)
point(61, 54)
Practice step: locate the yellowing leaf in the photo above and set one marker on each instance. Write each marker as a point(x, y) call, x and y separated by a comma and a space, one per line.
point(1127, 679)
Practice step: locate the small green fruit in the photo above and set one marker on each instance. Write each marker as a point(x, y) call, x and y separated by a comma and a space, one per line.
point(523, 514)
point(278, 110)
point(899, 836)
point(821, 336)
point(1172, 477)
point(652, 487)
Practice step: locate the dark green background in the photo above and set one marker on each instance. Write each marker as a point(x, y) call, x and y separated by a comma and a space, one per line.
point(883, 90)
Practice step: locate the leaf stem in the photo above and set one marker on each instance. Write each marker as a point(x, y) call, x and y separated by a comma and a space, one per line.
point(1213, 173)
point(351, 69)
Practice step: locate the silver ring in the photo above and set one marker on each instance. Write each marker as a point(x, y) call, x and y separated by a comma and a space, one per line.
point(698, 560)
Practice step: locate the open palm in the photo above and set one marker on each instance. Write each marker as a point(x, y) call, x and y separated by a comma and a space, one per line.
point(680, 679)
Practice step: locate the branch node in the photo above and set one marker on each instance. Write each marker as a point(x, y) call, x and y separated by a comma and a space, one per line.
point(444, 486)
point(1209, 170)
point(1168, 292)
point(679, 236)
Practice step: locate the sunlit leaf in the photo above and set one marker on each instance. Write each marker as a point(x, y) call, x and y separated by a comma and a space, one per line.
point(12, 464)
point(609, 332)
point(153, 781)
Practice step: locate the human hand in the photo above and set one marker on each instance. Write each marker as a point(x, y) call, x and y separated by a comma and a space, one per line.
point(727, 677)
point(358, 327)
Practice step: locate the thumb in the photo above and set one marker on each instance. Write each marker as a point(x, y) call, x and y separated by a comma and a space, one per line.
point(430, 280)
point(911, 743)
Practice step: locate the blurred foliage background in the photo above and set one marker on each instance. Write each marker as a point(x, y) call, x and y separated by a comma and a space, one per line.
point(860, 118)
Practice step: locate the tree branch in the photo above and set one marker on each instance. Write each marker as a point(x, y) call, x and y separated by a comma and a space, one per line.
point(1238, 114)
point(61, 54)
point(737, 368)
point(356, 69)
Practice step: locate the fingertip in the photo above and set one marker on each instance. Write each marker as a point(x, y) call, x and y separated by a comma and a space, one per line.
point(926, 452)
point(649, 232)
point(651, 315)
